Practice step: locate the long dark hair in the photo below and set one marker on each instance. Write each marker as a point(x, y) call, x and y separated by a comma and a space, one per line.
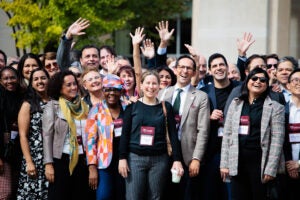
point(56, 83)
point(32, 96)
point(21, 66)
point(170, 71)
point(244, 89)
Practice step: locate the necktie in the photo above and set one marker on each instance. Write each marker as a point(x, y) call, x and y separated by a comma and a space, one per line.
point(176, 105)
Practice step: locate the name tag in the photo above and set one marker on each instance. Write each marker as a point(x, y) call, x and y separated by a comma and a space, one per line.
point(294, 137)
point(80, 144)
point(147, 136)
point(118, 123)
point(221, 127)
point(13, 134)
point(220, 132)
point(244, 125)
point(294, 132)
point(178, 120)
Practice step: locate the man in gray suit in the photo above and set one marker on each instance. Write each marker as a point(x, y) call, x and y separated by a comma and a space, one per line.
point(192, 121)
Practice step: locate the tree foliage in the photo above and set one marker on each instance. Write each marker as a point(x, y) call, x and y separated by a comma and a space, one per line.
point(40, 22)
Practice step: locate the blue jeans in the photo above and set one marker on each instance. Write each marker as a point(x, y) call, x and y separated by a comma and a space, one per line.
point(145, 171)
point(111, 184)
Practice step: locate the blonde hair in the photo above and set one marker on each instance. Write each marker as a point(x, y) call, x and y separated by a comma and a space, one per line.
point(149, 73)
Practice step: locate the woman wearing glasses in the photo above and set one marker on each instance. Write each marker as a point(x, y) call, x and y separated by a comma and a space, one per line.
point(92, 83)
point(104, 127)
point(253, 138)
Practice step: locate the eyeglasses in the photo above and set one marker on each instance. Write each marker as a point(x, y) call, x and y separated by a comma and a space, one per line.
point(111, 89)
point(296, 81)
point(92, 78)
point(188, 68)
point(11, 78)
point(261, 79)
point(48, 66)
point(269, 66)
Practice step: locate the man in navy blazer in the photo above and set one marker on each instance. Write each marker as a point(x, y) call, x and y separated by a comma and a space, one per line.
point(212, 186)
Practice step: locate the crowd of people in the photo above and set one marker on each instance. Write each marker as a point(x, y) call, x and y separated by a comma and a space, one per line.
point(89, 124)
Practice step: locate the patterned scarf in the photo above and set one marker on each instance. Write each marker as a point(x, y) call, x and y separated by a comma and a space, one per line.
point(73, 110)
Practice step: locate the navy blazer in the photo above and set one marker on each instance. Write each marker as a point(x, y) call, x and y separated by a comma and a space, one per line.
point(214, 142)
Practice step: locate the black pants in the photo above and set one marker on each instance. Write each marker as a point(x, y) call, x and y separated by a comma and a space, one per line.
point(69, 187)
point(293, 187)
point(247, 184)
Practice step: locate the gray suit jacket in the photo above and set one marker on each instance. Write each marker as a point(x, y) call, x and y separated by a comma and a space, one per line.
point(55, 129)
point(271, 139)
point(194, 123)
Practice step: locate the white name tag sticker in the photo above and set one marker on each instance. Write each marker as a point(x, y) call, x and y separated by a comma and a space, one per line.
point(118, 132)
point(294, 137)
point(244, 129)
point(146, 140)
point(147, 136)
point(220, 132)
point(118, 127)
point(13, 134)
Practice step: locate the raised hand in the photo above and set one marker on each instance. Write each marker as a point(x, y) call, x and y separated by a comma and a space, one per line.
point(194, 53)
point(244, 43)
point(163, 31)
point(77, 28)
point(112, 65)
point(138, 37)
point(148, 49)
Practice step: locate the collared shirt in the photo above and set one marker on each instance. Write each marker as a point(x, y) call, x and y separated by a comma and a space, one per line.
point(161, 51)
point(183, 95)
point(287, 94)
point(294, 117)
point(200, 85)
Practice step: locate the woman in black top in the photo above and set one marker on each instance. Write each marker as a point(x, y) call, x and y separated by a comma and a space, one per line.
point(10, 151)
point(143, 147)
point(253, 139)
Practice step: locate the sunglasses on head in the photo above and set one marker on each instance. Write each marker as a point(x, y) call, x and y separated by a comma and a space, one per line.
point(261, 79)
point(269, 66)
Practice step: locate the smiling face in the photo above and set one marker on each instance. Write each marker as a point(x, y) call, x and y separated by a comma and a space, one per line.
point(51, 66)
point(104, 56)
point(233, 73)
point(29, 65)
point(128, 79)
point(40, 81)
point(184, 72)
point(218, 69)
point(165, 79)
point(284, 69)
point(69, 88)
point(150, 86)
point(92, 81)
point(90, 58)
point(257, 85)
point(294, 85)
point(112, 96)
point(9, 80)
